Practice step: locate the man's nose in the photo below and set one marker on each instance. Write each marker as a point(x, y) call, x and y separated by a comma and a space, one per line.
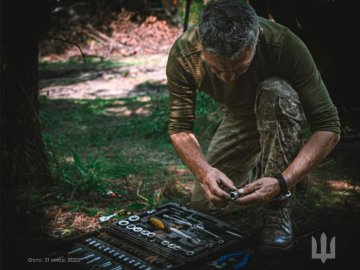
point(227, 77)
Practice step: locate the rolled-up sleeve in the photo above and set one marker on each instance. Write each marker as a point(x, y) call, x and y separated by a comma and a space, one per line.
point(182, 94)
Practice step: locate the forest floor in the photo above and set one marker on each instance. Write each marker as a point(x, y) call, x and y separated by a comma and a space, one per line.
point(104, 126)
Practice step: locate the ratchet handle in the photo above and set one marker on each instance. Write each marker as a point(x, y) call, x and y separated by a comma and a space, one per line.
point(159, 224)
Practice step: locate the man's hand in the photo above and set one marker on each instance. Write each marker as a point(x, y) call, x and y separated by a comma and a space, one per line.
point(258, 192)
point(213, 184)
point(211, 179)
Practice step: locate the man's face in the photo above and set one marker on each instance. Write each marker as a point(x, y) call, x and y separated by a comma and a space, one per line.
point(229, 70)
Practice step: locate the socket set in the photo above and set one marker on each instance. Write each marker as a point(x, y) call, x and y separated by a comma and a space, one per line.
point(171, 236)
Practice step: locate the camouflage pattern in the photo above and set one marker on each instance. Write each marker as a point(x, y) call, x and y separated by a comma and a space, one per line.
point(260, 143)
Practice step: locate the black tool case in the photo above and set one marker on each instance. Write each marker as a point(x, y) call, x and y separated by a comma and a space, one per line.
point(133, 243)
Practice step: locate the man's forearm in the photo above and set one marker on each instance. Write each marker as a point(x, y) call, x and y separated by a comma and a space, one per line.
point(313, 152)
point(212, 180)
point(189, 150)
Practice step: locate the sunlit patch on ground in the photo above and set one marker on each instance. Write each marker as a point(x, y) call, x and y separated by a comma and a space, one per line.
point(342, 185)
point(127, 112)
point(63, 223)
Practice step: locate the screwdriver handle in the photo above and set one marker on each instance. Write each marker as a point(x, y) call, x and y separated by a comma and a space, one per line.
point(159, 224)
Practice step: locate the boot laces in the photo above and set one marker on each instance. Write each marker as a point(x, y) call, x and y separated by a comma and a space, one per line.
point(276, 218)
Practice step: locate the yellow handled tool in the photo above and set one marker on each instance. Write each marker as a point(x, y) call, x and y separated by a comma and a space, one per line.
point(159, 224)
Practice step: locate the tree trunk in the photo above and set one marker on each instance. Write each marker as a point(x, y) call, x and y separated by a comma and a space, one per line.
point(23, 161)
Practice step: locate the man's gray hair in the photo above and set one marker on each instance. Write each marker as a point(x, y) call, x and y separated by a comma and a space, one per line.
point(227, 27)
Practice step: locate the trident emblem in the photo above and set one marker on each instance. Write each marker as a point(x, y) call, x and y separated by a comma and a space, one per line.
point(323, 256)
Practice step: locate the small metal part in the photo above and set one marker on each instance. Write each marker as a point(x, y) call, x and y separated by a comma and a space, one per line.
point(234, 234)
point(209, 245)
point(180, 221)
point(177, 248)
point(106, 264)
point(151, 211)
point(75, 250)
point(165, 242)
point(100, 247)
point(130, 227)
point(107, 218)
point(87, 257)
point(200, 241)
point(123, 222)
point(234, 195)
point(134, 218)
point(201, 228)
point(117, 268)
point(172, 246)
point(180, 233)
point(145, 233)
point(137, 229)
point(190, 253)
point(220, 241)
point(151, 234)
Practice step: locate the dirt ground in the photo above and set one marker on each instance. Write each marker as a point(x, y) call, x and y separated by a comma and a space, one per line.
point(145, 75)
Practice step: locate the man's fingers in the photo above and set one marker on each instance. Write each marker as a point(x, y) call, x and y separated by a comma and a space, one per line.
point(217, 191)
point(250, 188)
point(228, 183)
point(248, 200)
point(210, 195)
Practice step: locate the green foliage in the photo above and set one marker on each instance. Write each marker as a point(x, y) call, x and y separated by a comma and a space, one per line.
point(196, 6)
point(89, 142)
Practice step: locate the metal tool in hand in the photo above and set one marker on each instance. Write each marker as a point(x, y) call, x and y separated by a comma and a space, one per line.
point(107, 218)
point(159, 224)
point(236, 194)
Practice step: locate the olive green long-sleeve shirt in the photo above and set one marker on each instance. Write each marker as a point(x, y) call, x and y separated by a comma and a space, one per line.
point(279, 53)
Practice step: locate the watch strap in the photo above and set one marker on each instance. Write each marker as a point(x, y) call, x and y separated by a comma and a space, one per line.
point(284, 192)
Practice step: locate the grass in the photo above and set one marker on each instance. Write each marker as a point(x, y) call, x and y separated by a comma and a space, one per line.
point(121, 145)
point(114, 155)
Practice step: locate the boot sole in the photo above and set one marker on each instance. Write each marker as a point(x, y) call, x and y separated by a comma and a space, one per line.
point(271, 250)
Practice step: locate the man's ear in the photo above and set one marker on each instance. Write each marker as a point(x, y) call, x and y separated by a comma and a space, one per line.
point(261, 31)
point(202, 48)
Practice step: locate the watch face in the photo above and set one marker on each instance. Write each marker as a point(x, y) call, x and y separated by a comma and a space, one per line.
point(283, 197)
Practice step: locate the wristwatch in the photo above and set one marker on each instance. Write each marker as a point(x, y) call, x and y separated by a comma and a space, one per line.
point(284, 192)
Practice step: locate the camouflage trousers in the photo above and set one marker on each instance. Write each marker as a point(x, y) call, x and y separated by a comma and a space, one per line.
point(261, 143)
